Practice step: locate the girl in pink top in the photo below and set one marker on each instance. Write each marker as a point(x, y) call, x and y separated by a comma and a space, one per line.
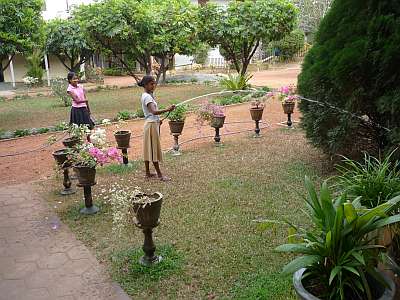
point(80, 111)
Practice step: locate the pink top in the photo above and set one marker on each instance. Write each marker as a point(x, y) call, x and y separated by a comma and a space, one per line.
point(78, 99)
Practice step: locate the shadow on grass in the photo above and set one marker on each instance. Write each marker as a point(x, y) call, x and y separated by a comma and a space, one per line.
point(133, 277)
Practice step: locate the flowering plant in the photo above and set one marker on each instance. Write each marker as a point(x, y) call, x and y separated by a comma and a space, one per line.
point(121, 199)
point(28, 80)
point(98, 138)
point(78, 131)
point(208, 111)
point(89, 155)
point(287, 94)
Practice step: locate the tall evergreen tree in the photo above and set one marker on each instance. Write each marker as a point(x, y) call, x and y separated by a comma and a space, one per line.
point(353, 66)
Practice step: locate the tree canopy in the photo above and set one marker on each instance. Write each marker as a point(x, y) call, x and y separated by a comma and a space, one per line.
point(239, 28)
point(353, 65)
point(21, 27)
point(136, 30)
point(67, 41)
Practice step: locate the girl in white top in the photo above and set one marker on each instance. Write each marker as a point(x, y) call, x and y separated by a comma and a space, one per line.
point(151, 141)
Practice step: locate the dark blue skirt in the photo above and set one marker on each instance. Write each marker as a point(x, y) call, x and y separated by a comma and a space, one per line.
point(81, 116)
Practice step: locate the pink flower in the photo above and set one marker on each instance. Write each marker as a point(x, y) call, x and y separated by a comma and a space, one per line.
point(114, 154)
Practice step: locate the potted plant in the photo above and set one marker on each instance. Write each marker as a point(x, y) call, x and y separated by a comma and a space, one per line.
point(287, 95)
point(76, 134)
point(61, 157)
point(177, 119)
point(338, 261)
point(147, 209)
point(86, 158)
point(256, 110)
point(212, 113)
point(123, 138)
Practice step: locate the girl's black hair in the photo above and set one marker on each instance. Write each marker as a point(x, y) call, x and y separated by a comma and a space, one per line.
point(70, 76)
point(145, 80)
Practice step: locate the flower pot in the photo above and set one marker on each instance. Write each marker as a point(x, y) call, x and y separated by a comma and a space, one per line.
point(381, 292)
point(217, 122)
point(256, 113)
point(123, 138)
point(288, 107)
point(71, 142)
point(86, 175)
point(148, 215)
point(61, 157)
point(176, 127)
point(382, 236)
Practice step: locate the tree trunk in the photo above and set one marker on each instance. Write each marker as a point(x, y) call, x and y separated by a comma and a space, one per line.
point(202, 2)
point(1, 70)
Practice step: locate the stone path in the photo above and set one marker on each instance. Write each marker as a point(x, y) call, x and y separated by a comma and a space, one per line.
point(40, 258)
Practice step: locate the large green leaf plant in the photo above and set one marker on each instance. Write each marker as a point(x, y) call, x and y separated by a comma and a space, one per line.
point(336, 251)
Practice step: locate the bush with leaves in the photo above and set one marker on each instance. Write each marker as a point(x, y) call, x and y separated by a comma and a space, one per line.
point(236, 82)
point(178, 114)
point(289, 45)
point(336, 252)
point(34, 62)
point(353, 66)
point(124, 115)
point(200, 55)
point(59, 89)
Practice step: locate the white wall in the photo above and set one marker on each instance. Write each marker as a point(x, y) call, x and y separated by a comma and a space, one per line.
point(58, 8)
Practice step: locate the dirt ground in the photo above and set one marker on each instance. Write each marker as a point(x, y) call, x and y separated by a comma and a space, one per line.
point(40, 164)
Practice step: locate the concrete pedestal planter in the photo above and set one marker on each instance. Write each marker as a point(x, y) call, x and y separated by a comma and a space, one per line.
point(381, 292)
point(71, 142)
point(86, 175)
point(288, 107)
point(217, 122)
point(176, 127)
point(122, 138)
point(256, 113)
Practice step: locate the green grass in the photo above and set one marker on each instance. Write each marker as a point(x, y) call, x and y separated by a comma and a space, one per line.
point(47, 111)
point(208, 217)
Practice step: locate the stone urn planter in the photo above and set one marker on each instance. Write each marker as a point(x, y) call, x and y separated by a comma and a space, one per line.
point(288, 107)
point(122, 138)
point(71, 142)
point(147, 215)
point(217, 122)
point(176, 127)
point(379, 292)
point(61, 158)
point(86, 175)
point(256, 113)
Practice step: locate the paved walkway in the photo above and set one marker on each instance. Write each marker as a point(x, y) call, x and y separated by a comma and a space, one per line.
point(40, 258)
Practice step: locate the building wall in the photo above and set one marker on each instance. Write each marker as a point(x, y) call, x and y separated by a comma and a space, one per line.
point(56, 69)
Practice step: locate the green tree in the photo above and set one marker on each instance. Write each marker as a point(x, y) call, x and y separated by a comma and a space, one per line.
point(353, 65)
point(289, 45)
point(239, 29)
point(21, 27)
point(133, 31)
point(67, 41)
point(311, 13)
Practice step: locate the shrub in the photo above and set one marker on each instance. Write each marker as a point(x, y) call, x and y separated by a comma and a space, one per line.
point(353, 66)
point(34, 62)
point(289, 45)
point(43, 130)
point(228, 100)
point(374, 180)
point(21, 132)
point(139, 113)
point(236, 82)
point(114, 72)
point(61, 126)
point(178, 114)
point(59, 89)
point(201, 54)
point(124, 115)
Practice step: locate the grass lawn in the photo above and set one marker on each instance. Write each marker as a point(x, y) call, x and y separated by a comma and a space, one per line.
point(213, 249)
point(47, 111)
